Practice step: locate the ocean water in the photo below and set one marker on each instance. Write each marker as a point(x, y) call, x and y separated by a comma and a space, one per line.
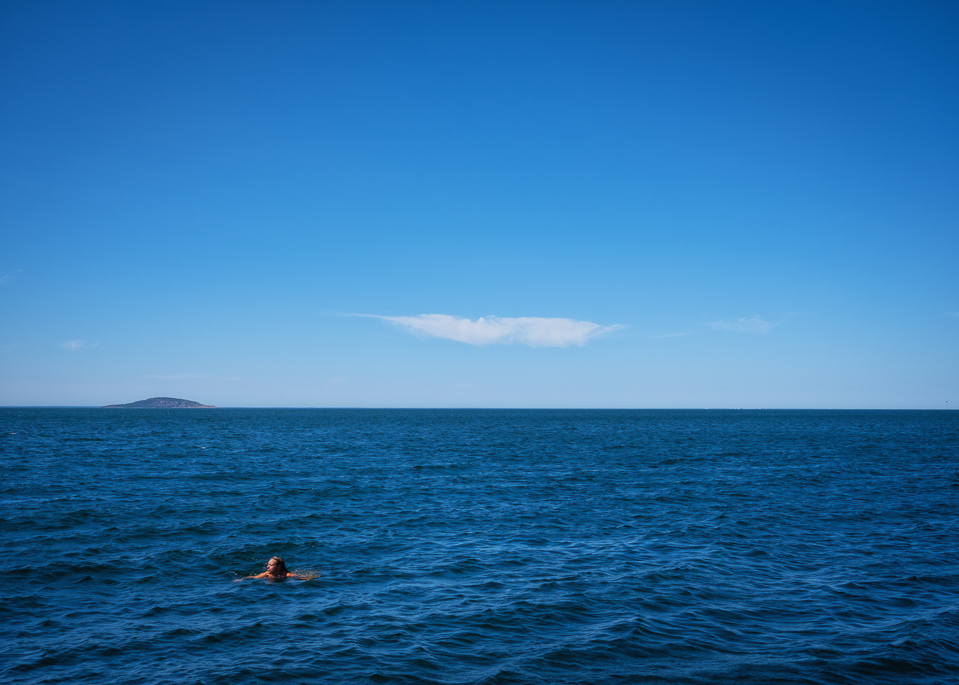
point(486, 546)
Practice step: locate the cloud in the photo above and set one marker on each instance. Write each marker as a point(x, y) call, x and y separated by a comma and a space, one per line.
point(489, 330)
point(955, 314)
point(77, 345)
point(747, 324)
point(9, 277)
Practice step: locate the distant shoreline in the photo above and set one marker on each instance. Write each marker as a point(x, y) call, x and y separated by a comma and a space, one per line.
point(161, 403)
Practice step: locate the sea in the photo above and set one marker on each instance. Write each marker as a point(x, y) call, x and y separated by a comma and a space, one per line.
point(479, 546)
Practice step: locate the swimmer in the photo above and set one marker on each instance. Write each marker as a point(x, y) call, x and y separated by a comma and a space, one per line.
point(276, 569)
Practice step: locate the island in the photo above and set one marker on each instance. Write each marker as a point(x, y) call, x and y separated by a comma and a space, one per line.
point(161, 403)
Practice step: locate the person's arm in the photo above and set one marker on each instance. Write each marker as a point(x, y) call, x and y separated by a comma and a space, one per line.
point(261, 575)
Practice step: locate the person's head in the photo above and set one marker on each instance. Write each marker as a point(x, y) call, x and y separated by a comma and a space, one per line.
point(276, 567)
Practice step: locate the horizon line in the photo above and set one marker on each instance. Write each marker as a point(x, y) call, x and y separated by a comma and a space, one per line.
point(498, 408)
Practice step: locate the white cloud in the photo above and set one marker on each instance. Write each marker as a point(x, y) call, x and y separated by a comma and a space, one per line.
point(526, 330)
point(955, 314)
point(747, 324)
point(77, 345)
point(9, 277)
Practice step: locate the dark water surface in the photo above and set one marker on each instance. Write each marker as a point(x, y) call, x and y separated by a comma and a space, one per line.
point(479, 546)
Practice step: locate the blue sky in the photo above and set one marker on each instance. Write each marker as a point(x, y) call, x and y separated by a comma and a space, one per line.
point(480, 204)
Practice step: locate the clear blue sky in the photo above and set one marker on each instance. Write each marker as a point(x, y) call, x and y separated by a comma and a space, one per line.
point(603, 204)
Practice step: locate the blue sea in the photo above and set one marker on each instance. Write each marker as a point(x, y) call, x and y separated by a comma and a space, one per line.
point(479, 546)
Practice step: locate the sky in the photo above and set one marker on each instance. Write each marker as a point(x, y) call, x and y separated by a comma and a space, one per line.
point(651, 204)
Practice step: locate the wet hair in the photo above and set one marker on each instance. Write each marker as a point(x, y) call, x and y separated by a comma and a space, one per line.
point(281, 565)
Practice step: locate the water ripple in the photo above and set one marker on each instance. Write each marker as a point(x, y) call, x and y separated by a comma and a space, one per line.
point(480, 546)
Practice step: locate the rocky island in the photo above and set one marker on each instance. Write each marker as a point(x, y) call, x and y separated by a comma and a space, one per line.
point(161, 403)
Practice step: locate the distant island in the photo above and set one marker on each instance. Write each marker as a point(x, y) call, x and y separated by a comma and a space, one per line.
point(161, 403)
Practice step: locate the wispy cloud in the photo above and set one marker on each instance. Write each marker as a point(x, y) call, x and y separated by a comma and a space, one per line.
point(747, 324)
point(953, 314)
point(489, 330)
point(77, 345)
point(9, 277)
